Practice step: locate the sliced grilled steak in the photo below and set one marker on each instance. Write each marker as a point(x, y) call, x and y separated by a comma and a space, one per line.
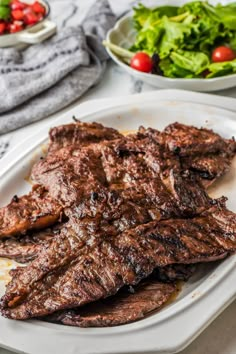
point(189, 141)
point(66, 275)
point(64, 168)
point(79, 134)
point(124, 307)
point(25, 248)
point(36, 210)
point(201, 151)
point(107, 189)
point(208, 167)
point(130, 303)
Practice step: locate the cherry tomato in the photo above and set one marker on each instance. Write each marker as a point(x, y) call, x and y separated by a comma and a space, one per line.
point(141, 62)
point(223, 54)
point(17, 14)
point(16, 26)
point(17, 5)
point(2, 27)
point(38, 8)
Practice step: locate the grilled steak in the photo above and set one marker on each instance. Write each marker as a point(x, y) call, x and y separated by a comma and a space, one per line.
point(132, 204)
point(26, 248)
point(79, 134)
point(130, 303)
point(36, 210)
point(124, 307)
point(66, 275)
point(201, 151)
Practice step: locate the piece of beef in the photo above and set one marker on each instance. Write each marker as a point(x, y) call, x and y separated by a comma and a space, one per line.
point(25, 248)
point(208, 167)
point(187, 140)
point(127, 164)
point(78, 134)
point(203, 152)
point(125, 307)
point(131, 303)
point(68, 274)
point(36, 210)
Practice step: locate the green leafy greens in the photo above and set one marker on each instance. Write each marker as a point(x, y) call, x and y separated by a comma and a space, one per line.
point(184, 37)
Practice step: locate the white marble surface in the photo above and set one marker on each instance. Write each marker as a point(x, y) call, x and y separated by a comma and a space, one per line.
point(219, 337)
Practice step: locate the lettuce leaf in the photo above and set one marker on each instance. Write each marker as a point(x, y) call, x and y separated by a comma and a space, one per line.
point(223, 14)
point(221, 69)
point(196, 62)
point(174, 36)
point(172, 70)
point(142, 14)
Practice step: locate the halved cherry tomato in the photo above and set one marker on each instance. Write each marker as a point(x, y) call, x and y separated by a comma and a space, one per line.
point(141, 62)
point(223, 53)
point(16, 26)
point(38, 8)
point(17, 5)
point(17, 14)
point(2, 27)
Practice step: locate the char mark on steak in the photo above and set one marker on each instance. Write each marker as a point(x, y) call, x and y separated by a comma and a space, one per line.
point(36, 210)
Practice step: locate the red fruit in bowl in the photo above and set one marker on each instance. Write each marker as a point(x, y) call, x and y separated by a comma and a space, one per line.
point(17, 5)
point(2, 27)
point(17, 15)
point(16, 26)
point(38, 8)
point(30, 18)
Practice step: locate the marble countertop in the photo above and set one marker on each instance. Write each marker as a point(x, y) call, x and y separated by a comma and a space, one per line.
point(219, 337)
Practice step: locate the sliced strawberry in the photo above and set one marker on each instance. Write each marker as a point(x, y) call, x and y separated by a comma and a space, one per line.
point(30, 18)
point(17, 5)
point(38, 8)
point(16, 26)
point(17, 15)
point(2, 27)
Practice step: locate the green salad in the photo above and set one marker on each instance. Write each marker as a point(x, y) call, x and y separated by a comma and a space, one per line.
point(196, 40)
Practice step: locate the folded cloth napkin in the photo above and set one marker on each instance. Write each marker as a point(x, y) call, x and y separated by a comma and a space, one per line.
point(44, 78)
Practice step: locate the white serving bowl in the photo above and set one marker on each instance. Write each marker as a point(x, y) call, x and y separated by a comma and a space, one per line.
point(32, 34)
point(123, 34)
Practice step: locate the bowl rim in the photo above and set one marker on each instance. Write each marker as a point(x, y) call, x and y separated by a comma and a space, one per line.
point(128, 17)
point(48, 8)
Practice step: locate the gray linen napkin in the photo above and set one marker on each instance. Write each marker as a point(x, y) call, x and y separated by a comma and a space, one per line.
point(44, 78)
